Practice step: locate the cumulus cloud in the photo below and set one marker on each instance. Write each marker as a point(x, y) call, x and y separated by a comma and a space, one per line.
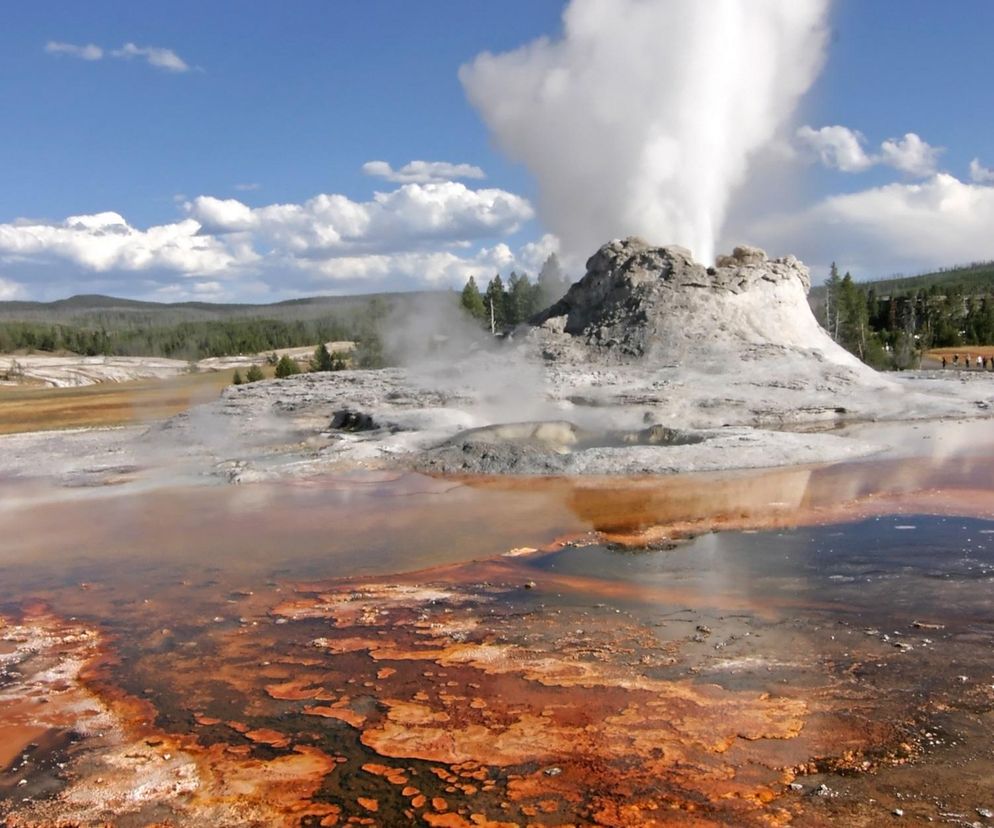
point(432, 268)
point(842, 149)
point(836, 146)
point(644, 116)
point(980, 174)
point(414, 236)
point(422, 172)
point(411, 216)
point(533, 254)
point(156, 56)
point(88, 51)
point(900, 227)
point(105, 241)
point(910, 154)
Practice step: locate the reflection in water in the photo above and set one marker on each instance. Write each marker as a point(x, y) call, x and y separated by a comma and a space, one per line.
point(253, 655)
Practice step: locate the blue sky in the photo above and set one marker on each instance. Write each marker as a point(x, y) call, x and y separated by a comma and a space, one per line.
point(249, 105)
point(912, 66)
point(294, 97)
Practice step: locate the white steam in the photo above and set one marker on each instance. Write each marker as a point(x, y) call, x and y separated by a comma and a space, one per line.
point(642, 118)
point(442, 348)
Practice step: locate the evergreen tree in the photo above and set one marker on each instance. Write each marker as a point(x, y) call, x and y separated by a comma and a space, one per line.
point(322, 361)
point(523, 298)
point(496, 304)
point(832, 289)
point(236, 378)
point(286, 367)
point(369, 351)
point(472, 301)
point(852, 317)
point(254, 374)
point(552, 282)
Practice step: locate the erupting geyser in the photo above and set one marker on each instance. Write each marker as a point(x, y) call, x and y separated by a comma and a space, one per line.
point(643, 117)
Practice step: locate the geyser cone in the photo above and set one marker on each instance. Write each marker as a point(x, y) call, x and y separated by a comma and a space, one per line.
point(637, 300)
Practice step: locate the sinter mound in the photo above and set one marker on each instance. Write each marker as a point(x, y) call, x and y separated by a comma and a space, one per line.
point(657, 302)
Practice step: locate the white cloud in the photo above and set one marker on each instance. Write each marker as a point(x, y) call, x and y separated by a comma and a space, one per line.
point(980, 174)
point(841, 148)
point(899, 227)
point(105, 241)
point(533, 254)
point(414, 236)
point(910, 155)
point(10, 290)
point(88, 51)
point(414, 215)
point(221, 215)
point(422, 172)
point(424, 269)
point(156, 56)
point(248, 186)
point(836, 146)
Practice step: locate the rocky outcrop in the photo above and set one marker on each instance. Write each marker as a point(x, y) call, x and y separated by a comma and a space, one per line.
point(639, 301)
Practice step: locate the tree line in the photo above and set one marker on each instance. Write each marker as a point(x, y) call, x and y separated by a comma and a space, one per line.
point(286, 366)
point(198, 340)
point(892, 330)
point(503, 306)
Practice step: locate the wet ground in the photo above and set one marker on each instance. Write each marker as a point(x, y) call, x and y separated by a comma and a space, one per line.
point(803, 646)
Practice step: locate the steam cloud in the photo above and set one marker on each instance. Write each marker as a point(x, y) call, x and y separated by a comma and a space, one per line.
point(643, 117)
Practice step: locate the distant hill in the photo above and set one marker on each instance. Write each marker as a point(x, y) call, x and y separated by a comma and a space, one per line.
point(93, 324)
point(970, 280)
point(112, 313)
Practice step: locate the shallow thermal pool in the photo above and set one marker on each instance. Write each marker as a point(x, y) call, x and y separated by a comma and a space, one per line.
point(803, 644)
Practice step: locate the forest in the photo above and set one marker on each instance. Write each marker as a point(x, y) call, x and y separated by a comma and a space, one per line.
point(503, 306)
point(890, 323)
point(95, 326)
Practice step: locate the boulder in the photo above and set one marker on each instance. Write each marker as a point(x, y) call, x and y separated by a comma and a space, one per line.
point(346, 419)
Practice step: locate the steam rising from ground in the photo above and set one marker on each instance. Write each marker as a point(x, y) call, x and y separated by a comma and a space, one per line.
point(443, 348)
point(642, 118)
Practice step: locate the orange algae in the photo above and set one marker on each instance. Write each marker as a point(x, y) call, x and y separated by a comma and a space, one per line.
point(123, 765)
point(559, 720)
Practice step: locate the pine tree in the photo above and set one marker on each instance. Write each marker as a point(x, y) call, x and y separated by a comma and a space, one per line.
point(286, 367)
point(496, 303)
point(236, 378)
point(522, 299)
point(832, 289)
point(254, 374)
point(472, 301)
point(552, 282)
point(322, 361)
point(852, 317)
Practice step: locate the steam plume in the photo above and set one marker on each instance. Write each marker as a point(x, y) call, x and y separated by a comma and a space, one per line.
point(642, 118)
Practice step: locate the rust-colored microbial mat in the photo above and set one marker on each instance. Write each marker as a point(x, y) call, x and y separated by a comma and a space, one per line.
point(805, 647)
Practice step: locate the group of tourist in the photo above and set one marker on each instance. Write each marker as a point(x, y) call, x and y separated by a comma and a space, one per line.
point(968, 362)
